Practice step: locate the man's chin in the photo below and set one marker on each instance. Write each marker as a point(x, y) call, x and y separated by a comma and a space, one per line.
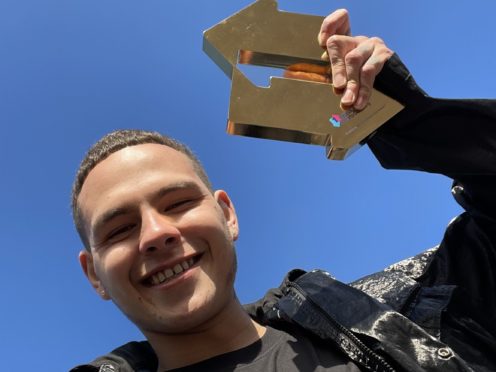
point(185, 319)
point(190, 323)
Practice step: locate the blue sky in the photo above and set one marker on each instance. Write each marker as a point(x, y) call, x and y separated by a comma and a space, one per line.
point(71, 71)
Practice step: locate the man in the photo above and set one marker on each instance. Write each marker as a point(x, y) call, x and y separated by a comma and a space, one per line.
point(159, 242)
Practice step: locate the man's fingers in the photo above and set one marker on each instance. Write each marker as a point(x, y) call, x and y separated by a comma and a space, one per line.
point(369, 71)
point(354, 61)
point(338, 47)
point(347, 56)
point(337, 23)
point(367, 77)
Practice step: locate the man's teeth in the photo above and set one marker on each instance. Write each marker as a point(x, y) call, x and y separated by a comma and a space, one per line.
point(169, 273)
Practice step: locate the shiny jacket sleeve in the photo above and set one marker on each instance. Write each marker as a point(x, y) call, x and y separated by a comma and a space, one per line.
point(456, 138)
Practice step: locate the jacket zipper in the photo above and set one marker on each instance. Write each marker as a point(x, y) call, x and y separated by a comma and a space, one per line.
point(378, 361)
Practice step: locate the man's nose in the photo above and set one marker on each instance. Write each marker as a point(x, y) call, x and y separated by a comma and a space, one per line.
point(157, 232)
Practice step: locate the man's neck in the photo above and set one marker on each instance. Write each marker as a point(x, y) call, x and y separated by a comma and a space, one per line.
point(231, 330)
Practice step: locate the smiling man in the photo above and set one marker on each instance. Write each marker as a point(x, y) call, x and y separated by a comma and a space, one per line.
point(161, 245)
point(159, 242)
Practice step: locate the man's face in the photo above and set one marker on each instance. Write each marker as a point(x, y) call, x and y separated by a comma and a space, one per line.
point(161, 242)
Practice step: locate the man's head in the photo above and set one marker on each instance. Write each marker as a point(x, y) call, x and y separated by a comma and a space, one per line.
point(159, 242)
point(116, 141)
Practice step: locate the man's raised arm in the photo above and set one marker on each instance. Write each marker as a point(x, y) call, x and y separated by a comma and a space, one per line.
point(453, 137)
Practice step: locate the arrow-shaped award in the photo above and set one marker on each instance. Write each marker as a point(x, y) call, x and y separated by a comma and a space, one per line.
point(289, 109)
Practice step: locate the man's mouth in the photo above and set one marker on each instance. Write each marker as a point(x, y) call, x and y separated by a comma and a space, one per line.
point(169, 273)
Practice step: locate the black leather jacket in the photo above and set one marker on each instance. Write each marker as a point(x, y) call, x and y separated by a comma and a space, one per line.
point(434, 312)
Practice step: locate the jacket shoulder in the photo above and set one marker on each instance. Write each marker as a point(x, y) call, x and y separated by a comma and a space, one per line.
point(395, 284)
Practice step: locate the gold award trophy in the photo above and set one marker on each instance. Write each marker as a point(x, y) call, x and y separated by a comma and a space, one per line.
point(289, 109)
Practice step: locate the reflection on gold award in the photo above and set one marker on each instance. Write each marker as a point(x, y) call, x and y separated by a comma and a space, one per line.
point(300, 106)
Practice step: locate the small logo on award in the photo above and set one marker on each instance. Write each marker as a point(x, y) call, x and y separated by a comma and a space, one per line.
point(338, 120)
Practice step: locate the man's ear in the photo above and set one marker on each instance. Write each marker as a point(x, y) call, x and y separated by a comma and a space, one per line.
point(229, 212)
point(86, 261)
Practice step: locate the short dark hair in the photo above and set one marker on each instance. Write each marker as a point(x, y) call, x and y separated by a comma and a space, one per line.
point(114, 142)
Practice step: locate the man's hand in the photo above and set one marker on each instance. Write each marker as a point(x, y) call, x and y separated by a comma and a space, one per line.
point(355, 61)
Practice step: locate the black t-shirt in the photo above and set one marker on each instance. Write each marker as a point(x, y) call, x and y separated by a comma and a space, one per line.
point(291, 351)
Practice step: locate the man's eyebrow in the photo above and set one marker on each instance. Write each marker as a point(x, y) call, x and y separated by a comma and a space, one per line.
point(113, 213)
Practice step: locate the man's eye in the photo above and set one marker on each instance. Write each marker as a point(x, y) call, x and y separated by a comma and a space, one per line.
point(179, 206)
point(119, 231)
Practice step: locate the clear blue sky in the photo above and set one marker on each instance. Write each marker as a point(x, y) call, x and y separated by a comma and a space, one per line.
point(71, 71)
